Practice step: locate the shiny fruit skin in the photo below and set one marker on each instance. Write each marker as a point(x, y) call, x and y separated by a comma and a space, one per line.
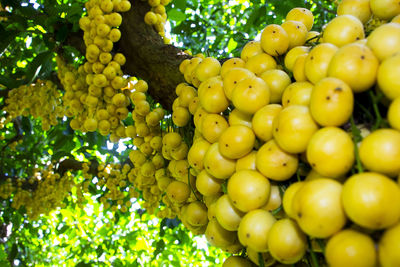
point(385, 40)
point(331, 102)
point(286, 242)
point(317, 62)
point(357, 8)
point(218, 236)
point(293, 128)
point(385, 9)
point(227, 215)
point(274, 40)
point(380, 151)
point(371, 200)
point(388, 74)
point(343, 30)
point(237, 261)
point(287, 201)
point(394, 114)
point(213, 126)
point(389, 247)
point(254, 228)
point(292, 54)
point(248, 190)
point(296, 31)
point(216, 164)
point(262, 121)
point(302, 15)
point(330, 152)
point(297, 93)
point(236, 141)
point(275, 163)
point(208, 185)
point(350, 248)
point(277, 81)
point(318, 208)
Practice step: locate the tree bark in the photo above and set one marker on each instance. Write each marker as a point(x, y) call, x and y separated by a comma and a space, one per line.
point(147, 57)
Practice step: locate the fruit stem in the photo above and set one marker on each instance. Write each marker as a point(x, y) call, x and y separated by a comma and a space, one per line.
point(314, 260)
point(356, 138)
point(375, 99)
point(191, 188)
point(260, 259)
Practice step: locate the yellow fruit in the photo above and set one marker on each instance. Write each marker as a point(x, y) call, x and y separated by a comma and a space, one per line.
point(208, 185)
point(318, 208)
point(384, 41)
point(299, 73)
point(292, 55)
point(183, 65)
point(196, 153)
point(213, 126)
point(274, 40)
point(286, 242)
point(371, 200)
point(330, 152)
point(267, 259)
point(178, 192)
point(385, 9)
point(227, 215)
point(212, 97)
point(172, 139)
point(380, 151)
point(230, 64)
point(233, 77)
point(254, 229)
point(389, 247)
point(356, 65)
point(313, 37)
point(331, 102)
point(218, 236)
point(237, 261)
point(236, 141)
point(296, 31)
point(297, 93)
point(247, 162)
point(277, 81)
point(262, 121)
point(186, 96)
point(180, 116)
point(199, 117)
point(90, 124)
point(393, 115)
point(250, 95)
point(388, 74)
point(358, 8)
point(248, 190)
point(150, 18)
point(260, 63)
point(275, 163)
point(251, 49)
point(396, 19)
point(317, 62)
point(237, 117)
point(196, 214)
point(275, 199)
point(302, 15)
point(216, 164)
point(194, 62)
point(343, 30)
point(288, 196)
point(350, 248)
point(208, 68)
point(293, 128)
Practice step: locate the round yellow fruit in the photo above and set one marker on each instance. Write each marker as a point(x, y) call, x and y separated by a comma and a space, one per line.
point(227, 215)
point(292, 55)
point(350, 248)
point(388, 74)
point(286, 242)
point(296, 32)
point(218, 236)
point(213, 126)
point(293, 128)
point(208, 68)
point(236, 141)
point(237, 261)
point(275, 163)
point(380, 151)
point(385, 9)
point(254, 229)
point(302, 15)
point(389, 247)
point(196, 214)
point(297, 93)
point(251, 49)
point(343, 30)
point(230, 64)
point(277, 81)
point(299, 73)
point(247, 162)
point(274, 40)
point(331, 102)
point(384, 41)
point(317, 62)
point(208, 185)
point(217, 165)
point(233, 77)
point(394, 114)
point(318, 208)
point(260, 63)
point(178, 192)
point(356, 65)
point(237, 117)
point(248, 190)
point(371, 200)
point(358, 8)
point(330, 152)
point(196, 153)
point(262, 121)
point(287, 201)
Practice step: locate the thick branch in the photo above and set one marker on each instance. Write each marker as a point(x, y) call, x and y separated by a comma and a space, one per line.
point(148, 57)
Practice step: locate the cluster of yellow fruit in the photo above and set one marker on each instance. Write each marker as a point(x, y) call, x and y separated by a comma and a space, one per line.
point(41, 99)
point(50, 191)
point(157, 17)
point(256, 130)
point(93, 92)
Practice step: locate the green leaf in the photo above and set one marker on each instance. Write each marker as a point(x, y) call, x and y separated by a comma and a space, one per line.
point(35, 67)
point(176, 15)
point(180, 4)
point(83, 264)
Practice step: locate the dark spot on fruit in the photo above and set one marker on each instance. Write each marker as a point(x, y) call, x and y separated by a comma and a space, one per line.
point(234, 62)
point(288, 101)
point(248, 235)
point(209, 86)
point(276, 129)
point(312, 57)
point(284, 164)
point(273, 31)
point(234, 82)
point(313, 164)
point(211, 237)
point(216, 122)
point(358, 38)
point(299, 214)
point(269, 149)
point(328, 98)
point(362, 57)
point(234, 202)
point(226, 145)
point(298, 27)
point(338, 89)
point(195, 164)
point(208, 167)
point(250, 86)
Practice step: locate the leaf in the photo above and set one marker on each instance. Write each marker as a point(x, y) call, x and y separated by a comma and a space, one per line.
point(180, 4)
point(62, 33)
point(83, 264)
point(176, 15)
point(35, 67)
